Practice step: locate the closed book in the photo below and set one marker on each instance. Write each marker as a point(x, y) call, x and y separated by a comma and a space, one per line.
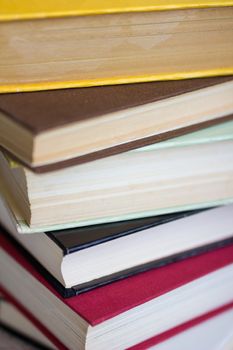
point(106, 317)
point(55, 129)
point(103, 45)
point(81, 259)
point(184, 173)
point(212, 329)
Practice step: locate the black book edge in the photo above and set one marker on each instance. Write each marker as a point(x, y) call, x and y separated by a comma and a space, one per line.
point(140, 225)
point(84, 287)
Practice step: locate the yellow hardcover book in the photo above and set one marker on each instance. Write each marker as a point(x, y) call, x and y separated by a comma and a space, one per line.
point(62, 44)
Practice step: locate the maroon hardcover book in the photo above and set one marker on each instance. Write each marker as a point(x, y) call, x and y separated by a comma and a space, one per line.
point(105, 303)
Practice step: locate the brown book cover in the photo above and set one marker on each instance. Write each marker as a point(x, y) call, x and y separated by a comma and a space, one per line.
point(39, 112)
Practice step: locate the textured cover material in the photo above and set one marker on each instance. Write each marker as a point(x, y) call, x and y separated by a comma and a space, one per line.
point(104, 303)
point(141, 346)
point(24, 9)
point(41, 111)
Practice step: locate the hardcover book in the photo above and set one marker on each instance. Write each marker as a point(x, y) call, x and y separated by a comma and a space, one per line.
point(109, 314)
point(81, 259)
point(212, 330)
point(54, 129)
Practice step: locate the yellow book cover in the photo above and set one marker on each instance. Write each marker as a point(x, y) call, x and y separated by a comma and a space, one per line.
point(100, 42)
point(24, 9)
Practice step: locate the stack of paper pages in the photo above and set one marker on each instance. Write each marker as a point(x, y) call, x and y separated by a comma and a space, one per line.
point(116, 174)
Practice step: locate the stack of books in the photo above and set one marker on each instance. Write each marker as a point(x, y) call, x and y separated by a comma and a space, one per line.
point(116, 173)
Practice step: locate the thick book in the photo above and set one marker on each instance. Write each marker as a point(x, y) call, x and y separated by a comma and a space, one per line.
point(81, 259)
point(116, 48)
point(176, 175)
point(212, 330)
point(108, 316)
point(54, 129)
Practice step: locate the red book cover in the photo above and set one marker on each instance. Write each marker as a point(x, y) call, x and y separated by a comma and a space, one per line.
point(142, 346)
point(108, 301)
